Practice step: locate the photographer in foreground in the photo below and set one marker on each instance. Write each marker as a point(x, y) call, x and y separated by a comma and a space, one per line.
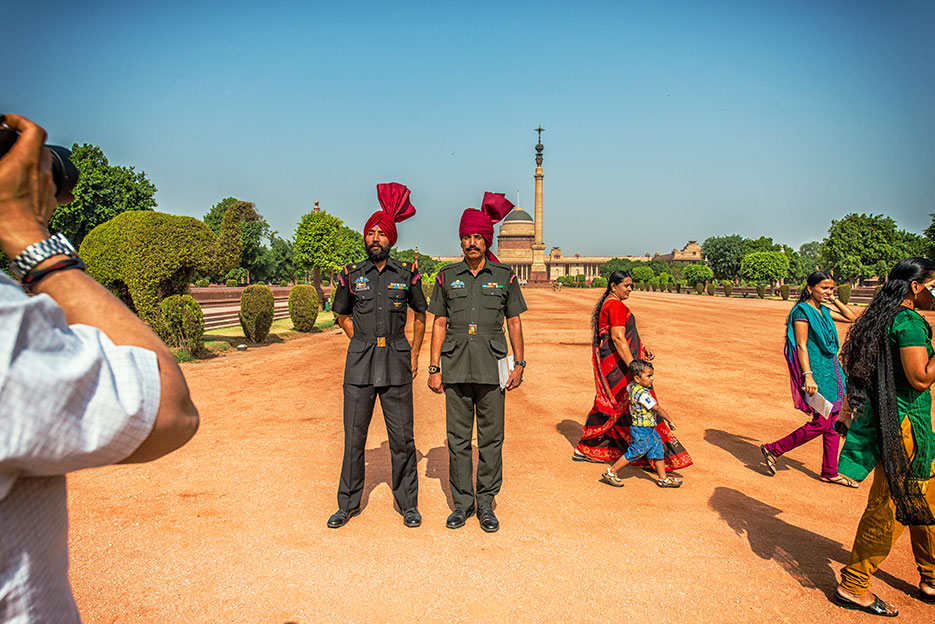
point(83, 383)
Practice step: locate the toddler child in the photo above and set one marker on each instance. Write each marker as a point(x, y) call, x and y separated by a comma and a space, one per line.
point(645, 440)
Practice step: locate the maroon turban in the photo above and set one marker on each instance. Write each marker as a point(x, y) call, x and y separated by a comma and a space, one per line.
point(474, 221)
point(394, 198)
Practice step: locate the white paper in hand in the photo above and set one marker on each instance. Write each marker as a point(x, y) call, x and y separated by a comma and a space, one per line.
point(505, 367)
point(819, 403)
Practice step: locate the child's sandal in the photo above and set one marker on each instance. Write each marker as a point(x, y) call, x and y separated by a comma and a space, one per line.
point(668, 482)
point(610, 478)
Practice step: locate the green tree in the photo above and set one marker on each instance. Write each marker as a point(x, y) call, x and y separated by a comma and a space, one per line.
point(763, 243)
point(764, 266)
point(810, 253)
point(697, 274)
point(859, 246)
point(658, 265)
point(929, 234)
point(103, 191)
point(617, 264)
point(427, 264)
point(723, 254)
point(316, 245)
point(253, 233)
point(350, 246)
point(642, 272)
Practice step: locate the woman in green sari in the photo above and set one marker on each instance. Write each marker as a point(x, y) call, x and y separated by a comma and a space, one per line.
point(890, 362)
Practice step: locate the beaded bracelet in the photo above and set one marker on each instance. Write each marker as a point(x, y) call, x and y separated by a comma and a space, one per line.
point(32, 278)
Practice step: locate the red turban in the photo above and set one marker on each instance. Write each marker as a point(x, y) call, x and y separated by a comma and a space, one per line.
point(474, 221)
point(394, 198)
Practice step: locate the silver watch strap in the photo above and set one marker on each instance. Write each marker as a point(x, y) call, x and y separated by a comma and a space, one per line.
point(55, 245)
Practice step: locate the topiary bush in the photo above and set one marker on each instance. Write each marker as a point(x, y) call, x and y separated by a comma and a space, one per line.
point(231, 283)
point(256, 312)
point(844, 293)
point(143, 257)
point(303, 307)
point(285, 284)
point(784, 292)
point(761, 291)
point(185, 323)
point(699, 288)
point(711, 289)
point(670, 287)
point(728, 289)
point(204, 282)
point(599, 282)
point(678, 287)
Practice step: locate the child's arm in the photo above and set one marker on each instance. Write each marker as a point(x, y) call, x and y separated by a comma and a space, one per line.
point(661, 413)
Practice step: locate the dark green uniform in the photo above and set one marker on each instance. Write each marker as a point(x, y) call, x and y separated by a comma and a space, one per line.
point(378, 362)
point(475, 307)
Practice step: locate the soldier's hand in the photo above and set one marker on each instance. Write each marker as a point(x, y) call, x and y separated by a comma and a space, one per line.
point(435, 383)
point(415, 364)
point(515, 379)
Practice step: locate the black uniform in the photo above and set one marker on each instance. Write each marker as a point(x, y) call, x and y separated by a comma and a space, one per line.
point(474, 341)
point(378, 362)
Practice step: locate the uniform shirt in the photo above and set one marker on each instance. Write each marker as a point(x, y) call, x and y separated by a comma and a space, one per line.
point(69, 399)
point(377, 302)
point(641, 405)
point(481, 301)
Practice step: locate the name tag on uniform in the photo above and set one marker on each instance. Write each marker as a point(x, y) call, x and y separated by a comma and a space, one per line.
point(492, 285)
point(398, 286)
point(457, 284)
point(361, 283)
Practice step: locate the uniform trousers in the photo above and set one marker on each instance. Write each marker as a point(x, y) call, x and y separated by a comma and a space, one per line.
point(878, 531)
point(462, 402)
point(396, 402)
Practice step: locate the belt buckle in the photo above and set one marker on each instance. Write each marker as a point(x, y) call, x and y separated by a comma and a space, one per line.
point(381, 341)
point(472, 328)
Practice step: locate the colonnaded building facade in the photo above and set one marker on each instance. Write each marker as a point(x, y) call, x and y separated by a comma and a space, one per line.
point(520, 245)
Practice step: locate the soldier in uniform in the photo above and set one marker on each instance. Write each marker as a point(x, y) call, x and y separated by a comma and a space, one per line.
point(470, 301)
point(370, 304)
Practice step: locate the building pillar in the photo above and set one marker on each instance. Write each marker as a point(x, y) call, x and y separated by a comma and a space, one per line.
point(537, 272)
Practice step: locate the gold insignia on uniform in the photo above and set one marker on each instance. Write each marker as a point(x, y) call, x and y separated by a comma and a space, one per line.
point(381, 341)
point(472, 328)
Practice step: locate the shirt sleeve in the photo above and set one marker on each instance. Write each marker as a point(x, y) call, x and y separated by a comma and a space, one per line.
point(647, 400)
point(343, 300)
point(416, 295)
point(798, 315)
point(515, 303)
point(911, 330)
point(618, 314)
point(72, 399)
point(437, 305)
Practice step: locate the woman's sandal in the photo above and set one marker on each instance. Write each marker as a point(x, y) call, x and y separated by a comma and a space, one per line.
point(877, 607)
point(668, 482)
point(839, 480)
point(610, 478)
point(770, 460)
point(581, 457)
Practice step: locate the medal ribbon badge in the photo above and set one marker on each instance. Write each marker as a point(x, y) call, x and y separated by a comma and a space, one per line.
point(397, 286)
point(457, 284)
point(361, 283)
point(492, 285)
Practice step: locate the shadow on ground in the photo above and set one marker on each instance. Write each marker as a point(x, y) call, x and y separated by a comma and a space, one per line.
point(571, 429)
point(804, 555)
point(747, 451)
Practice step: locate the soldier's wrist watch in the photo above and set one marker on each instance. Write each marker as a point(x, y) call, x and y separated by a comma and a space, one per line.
point(434, 369)
point(520, 363)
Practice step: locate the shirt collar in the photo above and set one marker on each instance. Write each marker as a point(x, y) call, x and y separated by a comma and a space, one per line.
point(462, 267)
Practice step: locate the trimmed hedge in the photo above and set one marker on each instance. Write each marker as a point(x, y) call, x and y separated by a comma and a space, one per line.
point(204, 282)
point(185, 323)
point(784, 292)
point(143, 257)
point(231, 283)
point(711, 289)
point(844, 293)
point(256, 312)
point(728, 289)
point(303, 307)
point(761, 291)
point(599, 282)
point(699, 288)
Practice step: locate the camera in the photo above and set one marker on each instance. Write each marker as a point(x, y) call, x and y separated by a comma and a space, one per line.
point(64, 172)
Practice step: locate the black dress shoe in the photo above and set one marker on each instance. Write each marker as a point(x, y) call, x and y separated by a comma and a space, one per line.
point(412, 518)
point(458, 517)
point(339, 518)
point(488, 521)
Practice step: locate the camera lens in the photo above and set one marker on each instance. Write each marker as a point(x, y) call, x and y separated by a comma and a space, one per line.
point(64, 172)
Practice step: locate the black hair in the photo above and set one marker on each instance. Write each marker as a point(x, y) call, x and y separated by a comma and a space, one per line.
point(813, 280)
point(638, 367)
point(612, 280)
point(868, 334)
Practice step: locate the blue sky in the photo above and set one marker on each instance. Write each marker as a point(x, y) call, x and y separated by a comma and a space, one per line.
point(665, 121)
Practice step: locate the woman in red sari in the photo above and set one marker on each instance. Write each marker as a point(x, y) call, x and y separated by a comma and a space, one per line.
point(616, 342)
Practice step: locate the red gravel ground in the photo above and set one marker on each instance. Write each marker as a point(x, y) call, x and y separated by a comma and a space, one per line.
point(232, 527)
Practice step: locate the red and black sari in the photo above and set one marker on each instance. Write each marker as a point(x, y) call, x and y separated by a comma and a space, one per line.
point(607, 430)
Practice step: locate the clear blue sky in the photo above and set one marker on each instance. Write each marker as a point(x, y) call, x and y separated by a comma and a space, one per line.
point(665, 121)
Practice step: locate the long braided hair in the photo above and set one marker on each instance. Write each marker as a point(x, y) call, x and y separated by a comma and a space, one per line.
point(867, 358)
point(612, 280)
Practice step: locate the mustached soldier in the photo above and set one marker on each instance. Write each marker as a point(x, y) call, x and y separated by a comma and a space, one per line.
point(371, 303)
point(469, 301)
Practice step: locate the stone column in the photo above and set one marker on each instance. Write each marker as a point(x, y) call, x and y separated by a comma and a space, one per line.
point(537, 272)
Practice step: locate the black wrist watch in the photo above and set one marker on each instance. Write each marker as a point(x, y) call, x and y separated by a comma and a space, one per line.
point(434, 369)
point(520, 363)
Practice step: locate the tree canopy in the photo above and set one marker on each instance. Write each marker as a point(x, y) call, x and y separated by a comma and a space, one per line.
point(617, 264)
point(860, 246)
point(316, 241)
point(724, 254)
point(642, 272)
point(764, 266)
point(103, 191)
point(697, 273)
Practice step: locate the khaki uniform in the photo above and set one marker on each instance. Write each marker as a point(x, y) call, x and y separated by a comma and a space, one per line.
point(475, 307)
point(378, 363)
